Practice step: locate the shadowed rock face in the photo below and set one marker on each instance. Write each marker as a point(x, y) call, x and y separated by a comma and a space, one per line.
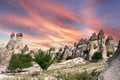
point(112, 67)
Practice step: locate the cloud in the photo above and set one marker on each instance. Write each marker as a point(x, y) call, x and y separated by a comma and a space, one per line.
point(50, 24)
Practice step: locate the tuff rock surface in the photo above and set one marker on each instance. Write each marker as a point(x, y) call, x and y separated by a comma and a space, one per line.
point(112, 67)
point(96, 43)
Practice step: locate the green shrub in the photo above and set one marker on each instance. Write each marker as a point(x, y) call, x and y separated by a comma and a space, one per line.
point(97, 56)
point(20, 61)
point(109, 53)
point(43, 59)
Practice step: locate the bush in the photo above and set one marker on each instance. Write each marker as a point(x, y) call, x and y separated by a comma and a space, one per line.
point(97, 56)
point(20, 61)
point(69, 57)
point(109, 53)
point(43, 59)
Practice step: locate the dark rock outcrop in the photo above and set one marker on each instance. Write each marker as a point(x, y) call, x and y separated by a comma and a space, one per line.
point(112, 67)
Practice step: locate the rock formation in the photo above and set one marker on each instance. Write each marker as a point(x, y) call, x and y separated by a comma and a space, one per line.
point(96, 43)
point(94, 46)
point(66, 52)
point(15, 45)
point(101, 43)
point(25, 49)
point(79, 48)
point(10, 45)
point(109, 44)
point(52, 52)
point(112, 67)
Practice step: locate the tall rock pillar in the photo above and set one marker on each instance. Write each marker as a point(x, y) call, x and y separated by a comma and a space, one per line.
point(101, 43)
point(94, 47)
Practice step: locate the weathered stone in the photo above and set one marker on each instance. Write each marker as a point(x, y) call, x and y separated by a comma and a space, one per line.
point(94, 47)
point(93, 37)
point(75, 44)
point(19, 35)
point(112, 67)
point(65, 53)
point(52, 49)
point(26, 48)
point(12, 35)
point(101, 35)
point(52, 52)
point(109, 44)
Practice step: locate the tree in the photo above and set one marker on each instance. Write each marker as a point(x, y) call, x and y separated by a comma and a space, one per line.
point(20, 61)
point(43, 59)
point(97, 56)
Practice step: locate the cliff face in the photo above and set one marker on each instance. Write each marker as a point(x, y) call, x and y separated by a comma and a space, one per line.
point(112, 67)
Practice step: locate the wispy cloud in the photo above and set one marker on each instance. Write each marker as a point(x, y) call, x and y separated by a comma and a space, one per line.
point(50, 24)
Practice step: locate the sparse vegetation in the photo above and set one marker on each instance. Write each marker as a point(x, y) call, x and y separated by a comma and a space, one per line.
point(97, 56)
point(109, 53)
point(77, 72)
point(79, 76)
point(43, 59)
point(20, 61)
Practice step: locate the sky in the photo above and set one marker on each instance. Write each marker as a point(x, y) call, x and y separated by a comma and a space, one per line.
point(55, 23)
